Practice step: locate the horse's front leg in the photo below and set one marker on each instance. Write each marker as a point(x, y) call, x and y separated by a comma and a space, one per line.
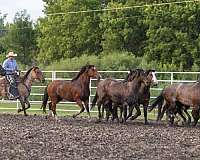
point(28, 104)
point(138, 113)
point(125, 105)
point(145, 113)
point(80, 104)
point(86, 103)
point(130, 111)
point(22, 102)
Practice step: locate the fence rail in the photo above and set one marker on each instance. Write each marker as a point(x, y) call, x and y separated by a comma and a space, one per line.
point(164, 79)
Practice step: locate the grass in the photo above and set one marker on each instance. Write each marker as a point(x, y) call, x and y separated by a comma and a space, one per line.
point(67, 110)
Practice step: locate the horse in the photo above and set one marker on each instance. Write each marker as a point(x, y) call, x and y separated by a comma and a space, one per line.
point(119, 92)
point(24, 86)
point(77, 90)
point(144, 97)
point(107, 103)
point(169, 100)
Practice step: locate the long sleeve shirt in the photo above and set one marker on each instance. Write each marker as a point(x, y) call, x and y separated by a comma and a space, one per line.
point(10, 65)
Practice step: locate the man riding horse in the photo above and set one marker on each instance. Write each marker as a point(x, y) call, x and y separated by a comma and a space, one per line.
point(11, 68)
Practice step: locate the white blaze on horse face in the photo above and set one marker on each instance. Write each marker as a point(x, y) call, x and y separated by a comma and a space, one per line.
point(155, 81)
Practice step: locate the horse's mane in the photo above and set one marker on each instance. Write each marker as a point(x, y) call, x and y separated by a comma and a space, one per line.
point(150, 70)
point(27, 73)
point(82, 70)
point(136, 72)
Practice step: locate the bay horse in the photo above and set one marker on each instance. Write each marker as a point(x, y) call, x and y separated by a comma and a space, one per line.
point(120, 93)
point(34, 74)
point(77, 90)
point(169, 101)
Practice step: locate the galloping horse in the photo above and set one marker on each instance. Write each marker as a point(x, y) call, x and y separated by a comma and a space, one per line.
point(183, 95)
point(77, 90)
point(144, 95)
point(120, 93)
point(24, 86)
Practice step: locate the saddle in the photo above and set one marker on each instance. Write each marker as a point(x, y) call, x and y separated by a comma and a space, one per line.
point(11, 88)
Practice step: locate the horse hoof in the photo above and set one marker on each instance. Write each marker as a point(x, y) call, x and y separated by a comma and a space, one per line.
point(170, 125)
point(193, 124)
point(146, 123)
point(74, 116)
point(25, 114)
point(98, 121)
point(19, 110)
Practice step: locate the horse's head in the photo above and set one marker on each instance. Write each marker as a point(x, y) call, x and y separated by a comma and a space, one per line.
point(151, 77)
point(36, 74)
point(141, 76)
point(131, 75)
point(92, 72)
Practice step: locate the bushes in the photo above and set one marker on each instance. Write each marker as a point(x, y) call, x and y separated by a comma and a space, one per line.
point(110, 61)
point(105, 61)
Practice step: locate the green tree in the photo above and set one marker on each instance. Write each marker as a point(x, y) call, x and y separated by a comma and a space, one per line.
point(21, 38)
point(3, 32)
point(172, 34)
point(123, 29)
point(69, 34)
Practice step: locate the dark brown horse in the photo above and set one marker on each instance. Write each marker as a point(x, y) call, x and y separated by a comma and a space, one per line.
point(77, 90)
point(168, 101)
point(120, 93)
point(24, 86)
point(144, 95)
point(106, 102)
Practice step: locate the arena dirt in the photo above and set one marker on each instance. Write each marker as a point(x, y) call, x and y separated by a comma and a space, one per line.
point(35, 137)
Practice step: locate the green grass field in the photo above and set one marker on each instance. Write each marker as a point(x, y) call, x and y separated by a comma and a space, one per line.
point(67, 110)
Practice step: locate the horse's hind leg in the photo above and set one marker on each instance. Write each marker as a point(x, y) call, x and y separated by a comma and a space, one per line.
point(195, 115)
point(138, 113)
point(161, 114)
point(115, 113)
point(86, 103)
point(130, 111)
point(188, 115)
point(53, 108)
point(79, 102)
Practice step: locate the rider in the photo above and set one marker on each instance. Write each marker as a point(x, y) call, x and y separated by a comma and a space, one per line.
point(10, 65)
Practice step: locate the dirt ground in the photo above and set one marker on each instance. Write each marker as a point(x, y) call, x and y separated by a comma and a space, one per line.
point(35, 137)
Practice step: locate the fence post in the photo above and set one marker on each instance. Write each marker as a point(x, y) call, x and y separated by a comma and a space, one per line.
point(172, 77)
point(90, 93)
point(53, 75)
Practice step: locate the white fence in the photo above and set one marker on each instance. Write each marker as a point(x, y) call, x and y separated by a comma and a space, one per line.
point(169, 78)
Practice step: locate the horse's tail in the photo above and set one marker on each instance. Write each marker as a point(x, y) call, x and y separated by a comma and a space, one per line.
point(158, 102)
point(44, 100)
point(94, 101)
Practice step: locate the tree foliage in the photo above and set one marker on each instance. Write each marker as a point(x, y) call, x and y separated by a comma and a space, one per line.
point(166, 36)
point(20, 37)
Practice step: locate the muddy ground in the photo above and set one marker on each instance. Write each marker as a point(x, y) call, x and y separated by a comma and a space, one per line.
point(35, 137)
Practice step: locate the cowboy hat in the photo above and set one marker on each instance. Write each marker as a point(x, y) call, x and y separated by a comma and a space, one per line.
point(11, 54)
